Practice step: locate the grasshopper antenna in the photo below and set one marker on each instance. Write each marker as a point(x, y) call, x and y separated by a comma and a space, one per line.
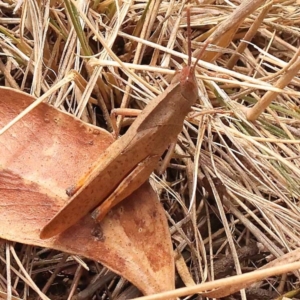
point(200, 54)
point(189, 35)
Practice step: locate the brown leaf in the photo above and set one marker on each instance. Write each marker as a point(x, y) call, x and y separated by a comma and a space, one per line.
point(45, 153)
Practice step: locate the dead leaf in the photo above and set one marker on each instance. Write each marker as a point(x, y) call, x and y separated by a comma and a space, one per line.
point(46, 152)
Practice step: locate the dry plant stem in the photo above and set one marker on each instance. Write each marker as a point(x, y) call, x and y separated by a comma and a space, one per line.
point(54, 53)
point(226, 30)
point(251, 227)
point(138, 54)
point(3, 281)
point(34, 17)
point(106, 63)
point(54, 274)
point(93, 78)
point(159, 34)
point(290, 295)
point(110, 52)
point(8, 276)
point(284, 66)
point(11, 81)
point(30, 281)
point(70, 77)
point(284, 29)
point(3, 296)
point(282, 284)
point(249, 35)
point(183, 270)
point(227, 229)
point(130, 293)
point(244, 80)
point(199, 246)
point(248, 279)
point(125, 112)
point(271, 153)
point(172, 35)
point(119, 286)
point(280, 43)
point(81, 262)
point(253, 113)
point(65, 66)
point(94, 286)
point(75, 282)
point(285, 258)
point(167, 159)
point(201, 132)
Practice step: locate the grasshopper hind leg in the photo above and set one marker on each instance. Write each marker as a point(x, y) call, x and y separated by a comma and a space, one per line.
point(132, 181)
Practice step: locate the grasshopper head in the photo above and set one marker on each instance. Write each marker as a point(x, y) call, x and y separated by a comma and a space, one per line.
point(188, 83)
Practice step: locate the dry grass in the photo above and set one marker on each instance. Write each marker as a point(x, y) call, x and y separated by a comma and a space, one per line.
point(242, 176)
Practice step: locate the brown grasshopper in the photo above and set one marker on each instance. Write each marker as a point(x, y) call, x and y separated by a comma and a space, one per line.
point(129, 161)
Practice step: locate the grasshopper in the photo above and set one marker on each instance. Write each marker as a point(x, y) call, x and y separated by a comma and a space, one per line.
point(128, 162)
